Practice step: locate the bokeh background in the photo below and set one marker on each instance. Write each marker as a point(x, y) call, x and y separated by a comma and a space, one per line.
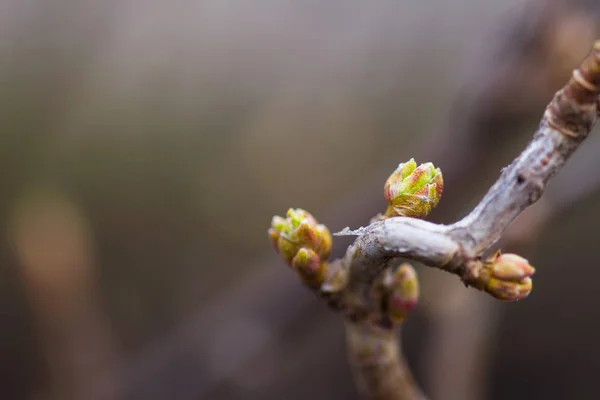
point(145, 145)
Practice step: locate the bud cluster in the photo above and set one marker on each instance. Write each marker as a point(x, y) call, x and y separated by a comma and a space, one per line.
point(504, 276)
point(303, 243)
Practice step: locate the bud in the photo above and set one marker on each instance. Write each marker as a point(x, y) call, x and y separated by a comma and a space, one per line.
point(395, 292)
point(509, 290)
point(504, 276)
point(277, 224)
point(309, 266)
point(413, 191)
point(302, 242)
point(323, 247)
point(511, 267)
point(402, 294)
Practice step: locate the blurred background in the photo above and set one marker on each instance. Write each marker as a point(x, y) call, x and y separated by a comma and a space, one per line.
point(145, 145)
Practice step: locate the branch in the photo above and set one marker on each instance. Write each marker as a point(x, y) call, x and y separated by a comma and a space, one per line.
point(379, 369)
point(566, 123)
point(484, 114)
point(457, 248)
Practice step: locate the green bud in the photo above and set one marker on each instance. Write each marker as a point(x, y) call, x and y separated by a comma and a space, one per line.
point(413, 191)
point(296, 216)
point(305, 233)
point(309, 266)
point(278, 223)
point(324, 242)
point(406, 168)
point(302, 242)
point(287, 246)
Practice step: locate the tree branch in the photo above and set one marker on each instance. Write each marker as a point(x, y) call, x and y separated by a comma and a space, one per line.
point(258, 296)
point(566, 123)
point(459, 248)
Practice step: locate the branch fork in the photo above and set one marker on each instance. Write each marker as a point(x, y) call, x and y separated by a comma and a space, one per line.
point(375, 296)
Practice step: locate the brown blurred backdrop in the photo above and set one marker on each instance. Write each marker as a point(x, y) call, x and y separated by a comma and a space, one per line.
point(145, 145)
